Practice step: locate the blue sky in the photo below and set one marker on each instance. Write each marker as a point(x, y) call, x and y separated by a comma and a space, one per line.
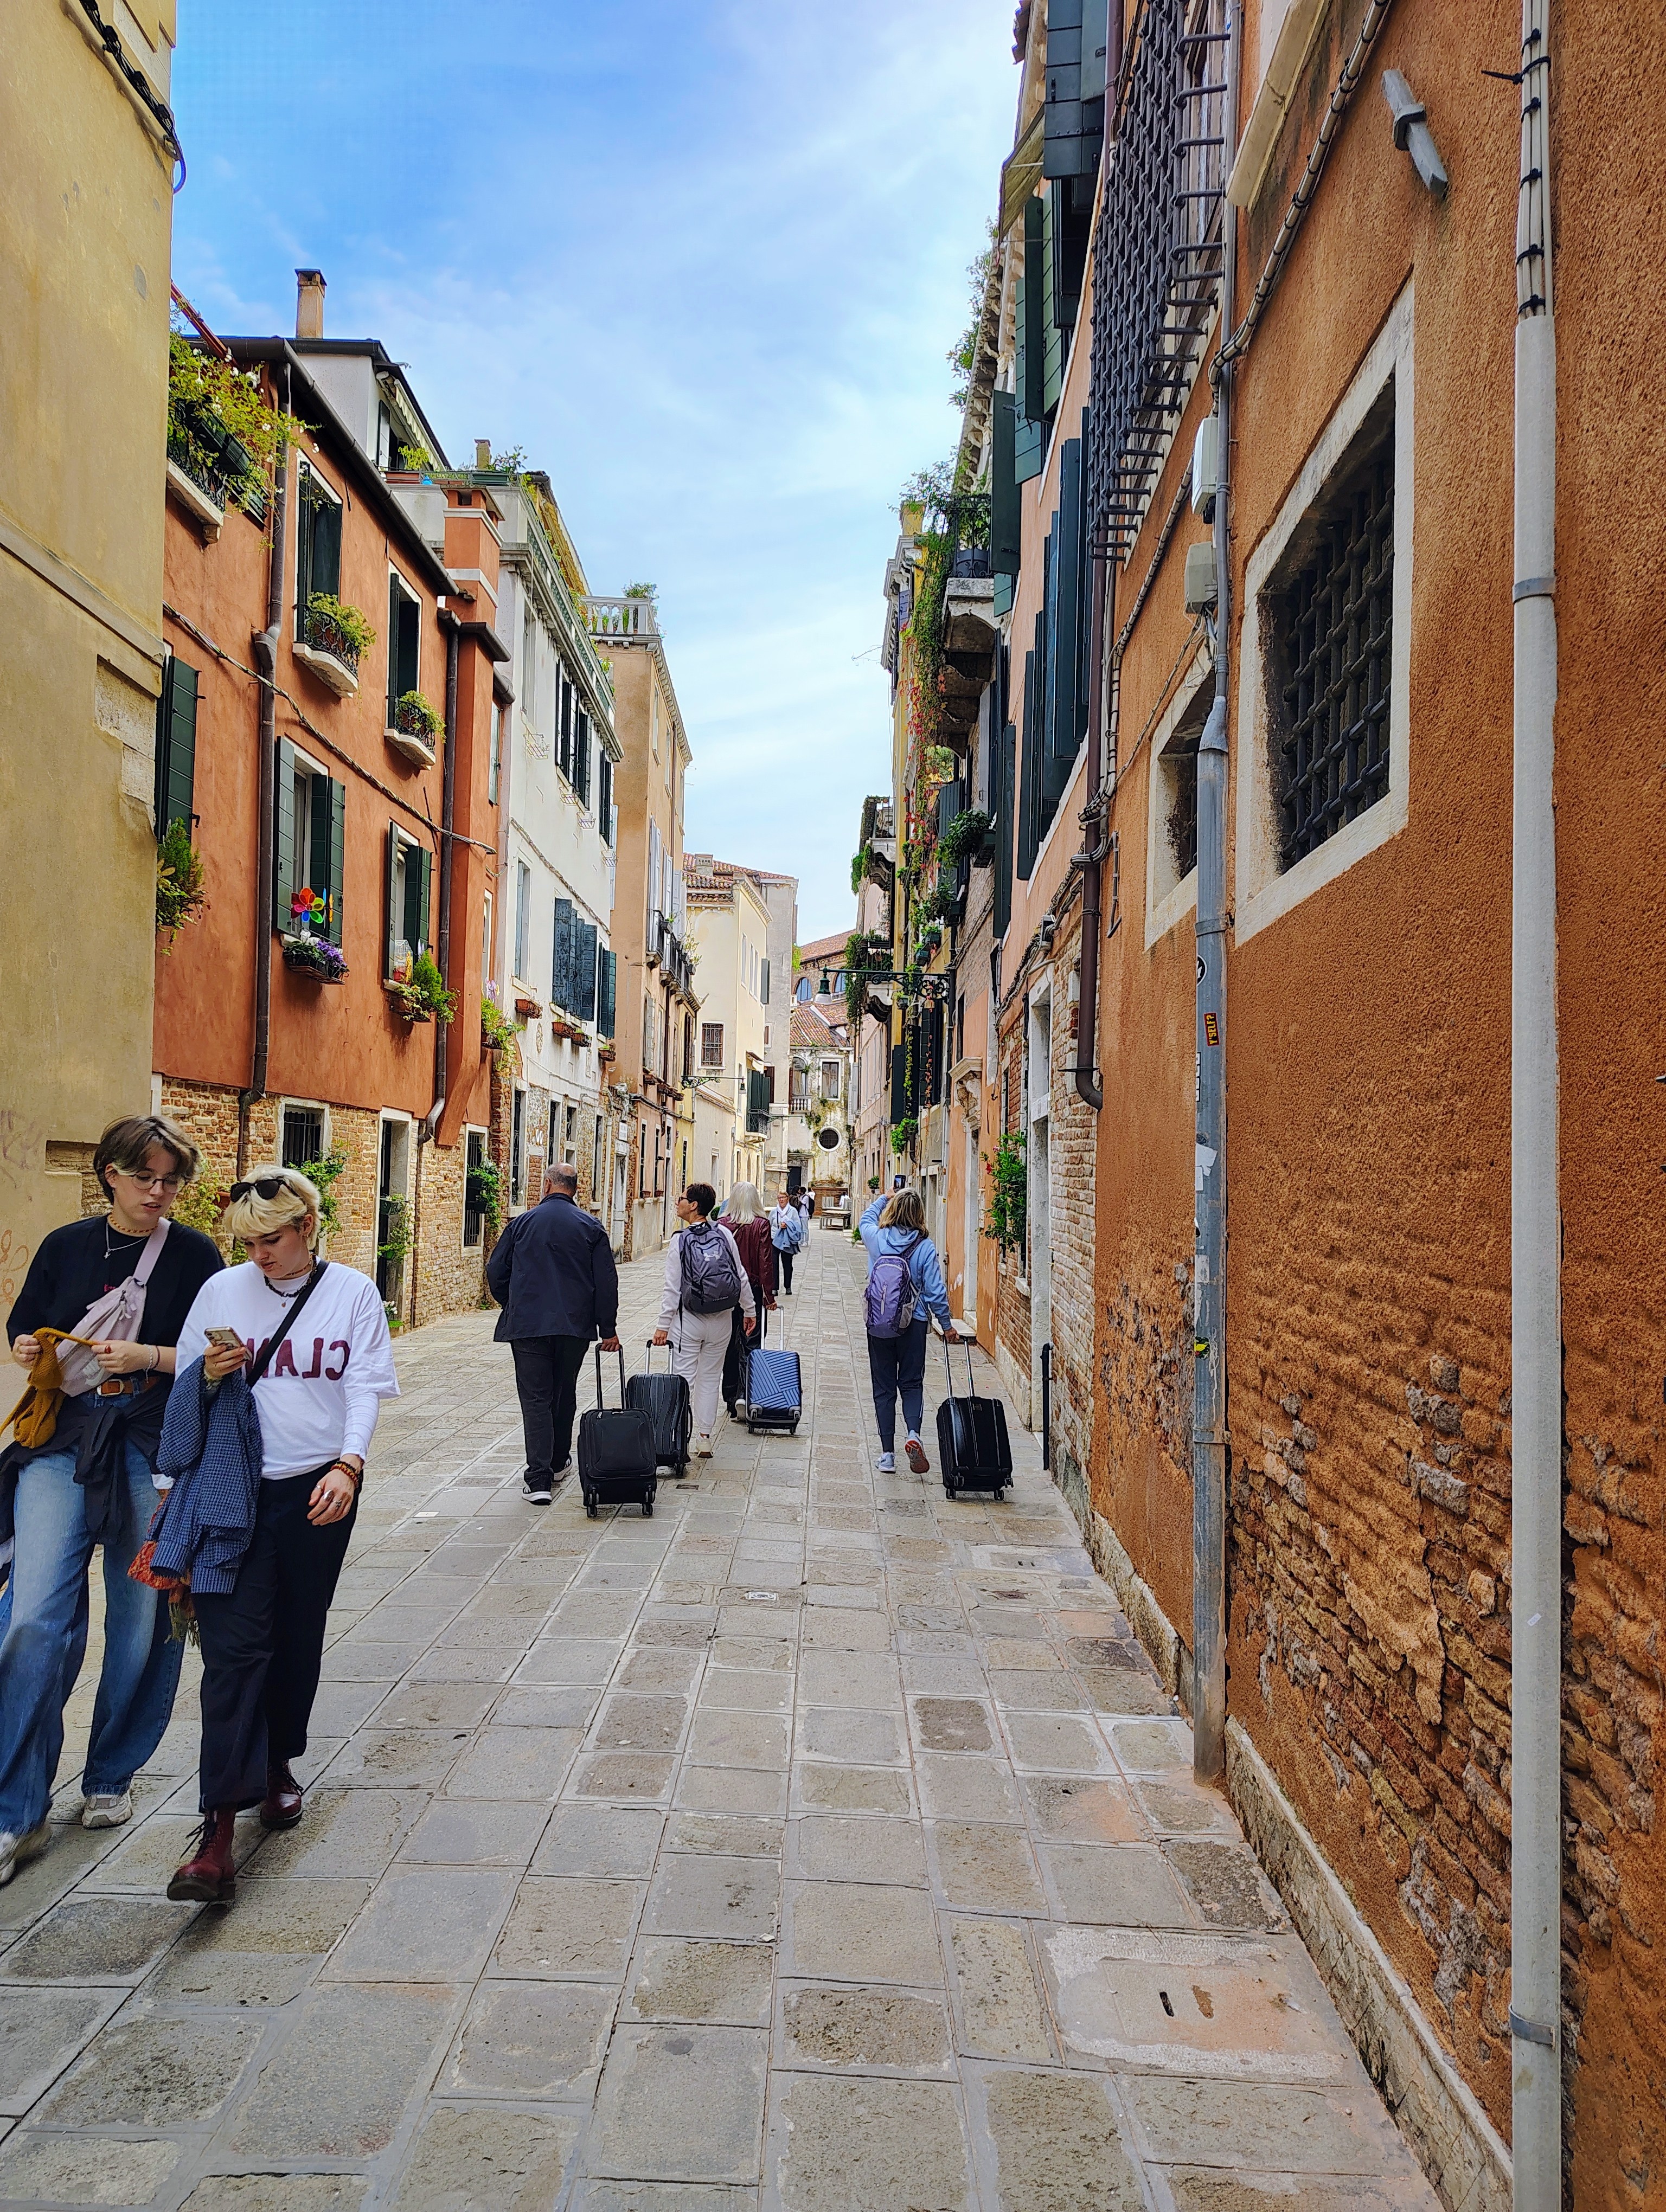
point(702, 261)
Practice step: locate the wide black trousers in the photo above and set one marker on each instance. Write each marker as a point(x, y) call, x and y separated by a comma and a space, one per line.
point(547, 1383)
point(263, 1643)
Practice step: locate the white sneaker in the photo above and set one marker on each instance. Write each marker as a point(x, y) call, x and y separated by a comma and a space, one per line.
point(887, 1462)
point(702, 1447)
point(15, 1851)
point(536, 1493)
point(107, 1808)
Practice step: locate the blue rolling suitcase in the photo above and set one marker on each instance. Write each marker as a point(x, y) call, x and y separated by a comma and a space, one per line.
point(664, 1399)
point(973, 1447)
point(775, 1393)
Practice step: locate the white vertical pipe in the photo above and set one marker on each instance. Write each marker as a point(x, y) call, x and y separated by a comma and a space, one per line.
point(1536, 1360)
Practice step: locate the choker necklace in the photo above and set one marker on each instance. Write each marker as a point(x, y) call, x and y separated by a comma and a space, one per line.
point(295, 1293)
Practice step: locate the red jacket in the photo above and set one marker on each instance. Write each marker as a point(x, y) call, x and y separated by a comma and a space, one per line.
point(758, 1253)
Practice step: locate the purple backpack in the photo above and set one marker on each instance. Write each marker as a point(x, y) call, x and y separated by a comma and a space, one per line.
point(891, 1298)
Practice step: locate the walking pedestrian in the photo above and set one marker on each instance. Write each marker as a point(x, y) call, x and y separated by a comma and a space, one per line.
point(750, 1226)
point(787, 1235)
point(904, 1283)
point(314, 1412)
point(552, 1273)
point(705, 1281)
point(124, 1281)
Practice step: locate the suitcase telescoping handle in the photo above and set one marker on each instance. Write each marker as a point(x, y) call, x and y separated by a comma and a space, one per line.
point(669, 1351)
point(971, 1376)
point(601, 1398)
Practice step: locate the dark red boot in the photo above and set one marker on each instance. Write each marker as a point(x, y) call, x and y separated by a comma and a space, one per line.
point(209, 1877)
point(281, 1806)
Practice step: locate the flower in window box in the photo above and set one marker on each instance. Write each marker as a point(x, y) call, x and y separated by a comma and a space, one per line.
point(415, 716)
point(316, 956)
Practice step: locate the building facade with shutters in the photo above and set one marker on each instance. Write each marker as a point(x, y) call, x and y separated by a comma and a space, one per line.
point(868, 1010)
point(651, 1072)
point(729, 921)
point(552, 967)
point(337, 779)
point(86, 199)
point(818, 1101)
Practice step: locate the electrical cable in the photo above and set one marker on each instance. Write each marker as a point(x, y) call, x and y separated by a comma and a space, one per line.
point(134, 77)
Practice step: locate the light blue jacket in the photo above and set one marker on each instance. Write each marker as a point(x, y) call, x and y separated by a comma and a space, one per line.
point(924, 1266)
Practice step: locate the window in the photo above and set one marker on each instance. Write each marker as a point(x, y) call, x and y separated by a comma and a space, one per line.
point(523, 917)
point(318, 542)
point(711, 1044)
point(410, 877)
point(763, 991)
point(604, 798)
point(607, 983)
point(486, 942)
point(688, 1050)
point(494, 771)
point(301, 1136)
point(405, 616)
point(518, 1149)
point(1330, 630)
point(176, 744)
point(1171, 822)
point(806, 991)
point(650, 1035)
point(309, 837)
point(561, 974)
point(564, 735)
point(474, 1216)
point(581, 758)
point(830, 1078)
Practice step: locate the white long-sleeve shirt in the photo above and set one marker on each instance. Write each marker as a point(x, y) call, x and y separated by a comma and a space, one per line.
point(670, 1297)
point(323, 1390)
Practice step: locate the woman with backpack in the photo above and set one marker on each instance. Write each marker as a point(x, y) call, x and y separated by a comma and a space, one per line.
point(705, 1281)
point(904, 1284)
point(749, 1224)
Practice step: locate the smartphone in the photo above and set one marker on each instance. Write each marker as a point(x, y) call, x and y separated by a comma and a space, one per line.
point(226, 1338)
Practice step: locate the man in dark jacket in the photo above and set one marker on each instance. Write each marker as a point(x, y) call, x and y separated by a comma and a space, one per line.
point(552, 1273)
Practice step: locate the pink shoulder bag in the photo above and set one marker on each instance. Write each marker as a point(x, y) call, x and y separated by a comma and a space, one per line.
point(114, 1318)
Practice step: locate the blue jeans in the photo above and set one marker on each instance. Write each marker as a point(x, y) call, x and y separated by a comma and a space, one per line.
point(46, 1641)
point(896, 1365)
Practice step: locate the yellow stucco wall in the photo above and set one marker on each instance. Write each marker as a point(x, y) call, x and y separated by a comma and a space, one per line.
point(86, 210)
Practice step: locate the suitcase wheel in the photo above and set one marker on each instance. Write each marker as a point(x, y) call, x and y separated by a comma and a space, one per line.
point(589, 1503)
point(948, 1487)
point(647, 1507)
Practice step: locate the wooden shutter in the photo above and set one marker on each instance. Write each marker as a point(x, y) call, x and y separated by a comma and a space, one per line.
point(419, 880)
point(581, 757)
point(1004, 522)
point(395, 919)
point(1028, 837)
point(584, 970)
point(1064, 619)
point(607, 993)
point(306, 515)
point(283, 837)
point(176, 745)
point(1052, 337)
point(564, 735)
point(1034, 319)
point(1005, 847)
point(562, 980)
point(604, 798)
point(394, 599)
point(337, 857)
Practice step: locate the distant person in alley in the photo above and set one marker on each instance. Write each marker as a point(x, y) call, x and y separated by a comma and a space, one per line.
point(552, 1272)
point(80, 1474)
point(904, 1284)
point(705, 1280)
point(266, 1439)
point(787, 1235)
point(745, 1219)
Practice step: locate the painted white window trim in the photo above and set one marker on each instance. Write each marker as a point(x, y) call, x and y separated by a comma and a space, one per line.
point(1263, 894)
point(1166, 910)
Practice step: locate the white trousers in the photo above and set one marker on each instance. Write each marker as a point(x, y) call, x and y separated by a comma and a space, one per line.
point(699, 1341)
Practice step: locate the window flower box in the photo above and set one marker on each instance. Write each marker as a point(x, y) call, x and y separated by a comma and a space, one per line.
point(416, 728)
point(333, 637)
point(528, 1009)
point(315, 957)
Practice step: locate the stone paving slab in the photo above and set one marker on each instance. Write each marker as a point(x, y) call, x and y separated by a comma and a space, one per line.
point(820, 1844)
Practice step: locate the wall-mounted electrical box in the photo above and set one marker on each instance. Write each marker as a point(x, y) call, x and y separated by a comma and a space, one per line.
point(1200, 592)
point(1206, 466)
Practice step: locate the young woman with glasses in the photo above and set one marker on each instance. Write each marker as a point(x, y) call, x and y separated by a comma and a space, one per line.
point(318, 1400)
point(93, 1482)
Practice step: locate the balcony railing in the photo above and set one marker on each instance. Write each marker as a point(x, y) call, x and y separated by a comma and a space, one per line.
point(201, 447)
point(621, 617)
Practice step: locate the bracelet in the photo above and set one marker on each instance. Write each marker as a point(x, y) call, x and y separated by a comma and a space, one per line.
point(355, 1475)
point(156, 1358)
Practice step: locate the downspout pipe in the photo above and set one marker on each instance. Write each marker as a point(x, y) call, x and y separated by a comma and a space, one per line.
point(447, 824)
point(264, 644)
point(1209, 1439)
point(1089, 1088)
point(1536, 1348)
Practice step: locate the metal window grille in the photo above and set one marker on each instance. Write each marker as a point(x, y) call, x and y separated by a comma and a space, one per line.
point(1332, 630)
point(1156, 258)
point(302, 1141)
point(711, 1044)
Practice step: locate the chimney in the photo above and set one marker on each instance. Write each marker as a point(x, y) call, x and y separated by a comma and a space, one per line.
point(309, 303)
point(483, 452)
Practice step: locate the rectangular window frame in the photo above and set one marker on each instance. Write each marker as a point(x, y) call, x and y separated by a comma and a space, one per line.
point(711, 1045)
point(1169, 897)
point(1264, 893)
point(318, 510)
point(405, 640)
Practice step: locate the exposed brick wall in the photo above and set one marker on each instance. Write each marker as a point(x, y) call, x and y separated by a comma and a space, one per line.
point(1073, 1139)
point(1012, 1302)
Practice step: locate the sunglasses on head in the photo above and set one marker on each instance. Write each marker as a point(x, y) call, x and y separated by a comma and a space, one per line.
point(266, 1186)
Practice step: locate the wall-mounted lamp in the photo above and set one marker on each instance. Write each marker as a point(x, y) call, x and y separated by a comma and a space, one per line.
point(1411, 131)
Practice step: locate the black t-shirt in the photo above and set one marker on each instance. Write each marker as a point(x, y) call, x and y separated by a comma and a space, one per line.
point(80, 1262)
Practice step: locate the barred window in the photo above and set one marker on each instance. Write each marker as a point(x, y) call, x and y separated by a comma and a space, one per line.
point(711, 1044)
point(1330, 620)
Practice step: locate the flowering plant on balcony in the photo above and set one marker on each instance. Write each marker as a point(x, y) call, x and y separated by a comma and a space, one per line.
point(333, 625)
point(415, 716)
point(315, 956)
point(497, 1031)
point(422, 993)
point(180, 895)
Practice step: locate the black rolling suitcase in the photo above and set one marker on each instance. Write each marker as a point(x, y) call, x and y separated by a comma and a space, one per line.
point(775, 1392)
point(616, 1461)
point(972, 1445)
point(664, 1399)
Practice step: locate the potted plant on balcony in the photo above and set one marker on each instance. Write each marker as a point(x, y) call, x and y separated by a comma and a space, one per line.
point(334, 638)
point(497, 1031)
point(421, 994)
point(180, 896)
point(417, 723)
point(315, 957)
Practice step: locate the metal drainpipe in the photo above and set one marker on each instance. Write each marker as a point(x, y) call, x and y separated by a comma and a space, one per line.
point(1209, 1270)
point(447, 815)
point(1535, 1352)
point(1088, 1087)
point(265, 655)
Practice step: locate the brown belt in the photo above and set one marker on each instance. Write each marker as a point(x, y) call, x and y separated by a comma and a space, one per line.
point(125, 1386)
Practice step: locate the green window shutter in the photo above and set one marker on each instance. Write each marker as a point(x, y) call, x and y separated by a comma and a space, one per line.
point(1052, 339)
point(304, 515)
point(607, 968)
point(562, 980)
point(419, 879)
point(1064, 655)
point(581, 758)
point(337, 857)
point(763, 985)
point(604, 798)
point(394, 596)
point(1004, 525)
point(395, 917)
point(1024, 859)
point(176, 745)
point(1033, 318)
point(1004, 854)
point(564, 736)
point(584, 972)
point(327, 550)
point(283, 837)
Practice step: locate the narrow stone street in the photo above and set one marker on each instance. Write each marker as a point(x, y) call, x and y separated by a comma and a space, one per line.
point(815, 1843)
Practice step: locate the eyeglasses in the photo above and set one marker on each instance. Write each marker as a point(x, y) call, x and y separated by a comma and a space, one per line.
point(167, 1184)
point(267, 1187)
